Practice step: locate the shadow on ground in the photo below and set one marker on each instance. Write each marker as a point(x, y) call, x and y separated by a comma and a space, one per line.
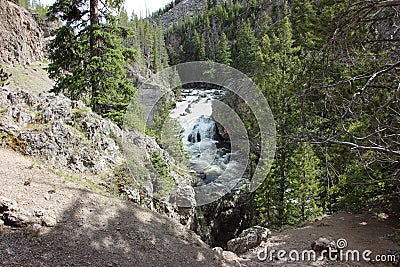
point(98, 231)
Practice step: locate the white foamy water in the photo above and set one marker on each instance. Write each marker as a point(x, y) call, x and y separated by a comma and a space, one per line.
point(200, 135)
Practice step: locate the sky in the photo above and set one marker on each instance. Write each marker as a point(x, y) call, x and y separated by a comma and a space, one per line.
point(139, 6)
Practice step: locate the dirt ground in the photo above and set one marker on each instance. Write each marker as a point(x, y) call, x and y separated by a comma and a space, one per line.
point(92, 229)
point(32, 78)
point(97, 230)
point(361, 232)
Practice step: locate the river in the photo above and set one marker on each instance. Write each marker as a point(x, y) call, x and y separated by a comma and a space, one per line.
point(208, 158)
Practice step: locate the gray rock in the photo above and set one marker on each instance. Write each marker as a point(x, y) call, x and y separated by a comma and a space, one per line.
point(323, 244)
point(39, 213)
point(67, 134)
point(16, 219)
point(62, 132)
point(133, 194)
point(184, 197)
point(13, 215)
point(248, 239)
point(183, 10)
point(225, 217)
point(21, 39)
point(7, 204)
point(219, 250)
point(47, 218)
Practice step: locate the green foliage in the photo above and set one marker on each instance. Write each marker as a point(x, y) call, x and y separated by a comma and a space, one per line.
point(88, 62)
point(203, 33)
point(40, 10)
point(224, 51)
point(25, 3)
point(161, 114)
point(159, 164)
point(149, 42)
point(245, 48)
point(329, 70)
point(161, 186)
point(290, 193)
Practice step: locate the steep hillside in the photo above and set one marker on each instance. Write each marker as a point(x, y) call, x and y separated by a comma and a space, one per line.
point(180, 12)
point(69, 225)
point(21, 39)
point(32, 78)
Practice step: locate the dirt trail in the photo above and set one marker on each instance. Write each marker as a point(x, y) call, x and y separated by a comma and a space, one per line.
point(378, 234)
point(92, 229)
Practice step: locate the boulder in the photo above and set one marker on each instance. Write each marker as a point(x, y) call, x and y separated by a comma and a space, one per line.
point(12, 215)
point(16, 219)
point(248, 239)
point(7, 204)
point(47, 218)
point(323, 244)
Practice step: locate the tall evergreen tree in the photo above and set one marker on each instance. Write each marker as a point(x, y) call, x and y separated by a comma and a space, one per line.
point(224, 51)
point(88, 58)
point(245, 48)
point(199, 52)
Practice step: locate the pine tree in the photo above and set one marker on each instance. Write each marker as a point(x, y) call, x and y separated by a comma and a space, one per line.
point(123, 18)
point(202, 51)
point(302, 200)
point(224, 51)
point(245, 48)
point(276, 69)
point(88, 58)
point(156, 58)
point(199, 52)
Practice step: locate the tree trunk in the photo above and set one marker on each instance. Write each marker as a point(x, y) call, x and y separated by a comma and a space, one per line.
point(94, 43)
point(94, 19)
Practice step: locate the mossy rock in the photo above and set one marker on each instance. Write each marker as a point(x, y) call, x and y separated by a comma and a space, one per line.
point(13, 142)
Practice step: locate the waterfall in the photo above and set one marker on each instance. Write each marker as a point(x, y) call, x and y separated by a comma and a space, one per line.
point(200, 138)
point(204, 128)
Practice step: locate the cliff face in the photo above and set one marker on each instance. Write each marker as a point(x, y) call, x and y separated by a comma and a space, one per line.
point(182, 11)
point(21, 39)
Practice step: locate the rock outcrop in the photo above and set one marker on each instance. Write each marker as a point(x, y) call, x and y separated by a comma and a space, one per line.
point(21, 39)
point(248, 239)
point(323, 244)
point(225, 218)
point(62, 132)
point(12, 215)
point(66, 134)
point(183, 10)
